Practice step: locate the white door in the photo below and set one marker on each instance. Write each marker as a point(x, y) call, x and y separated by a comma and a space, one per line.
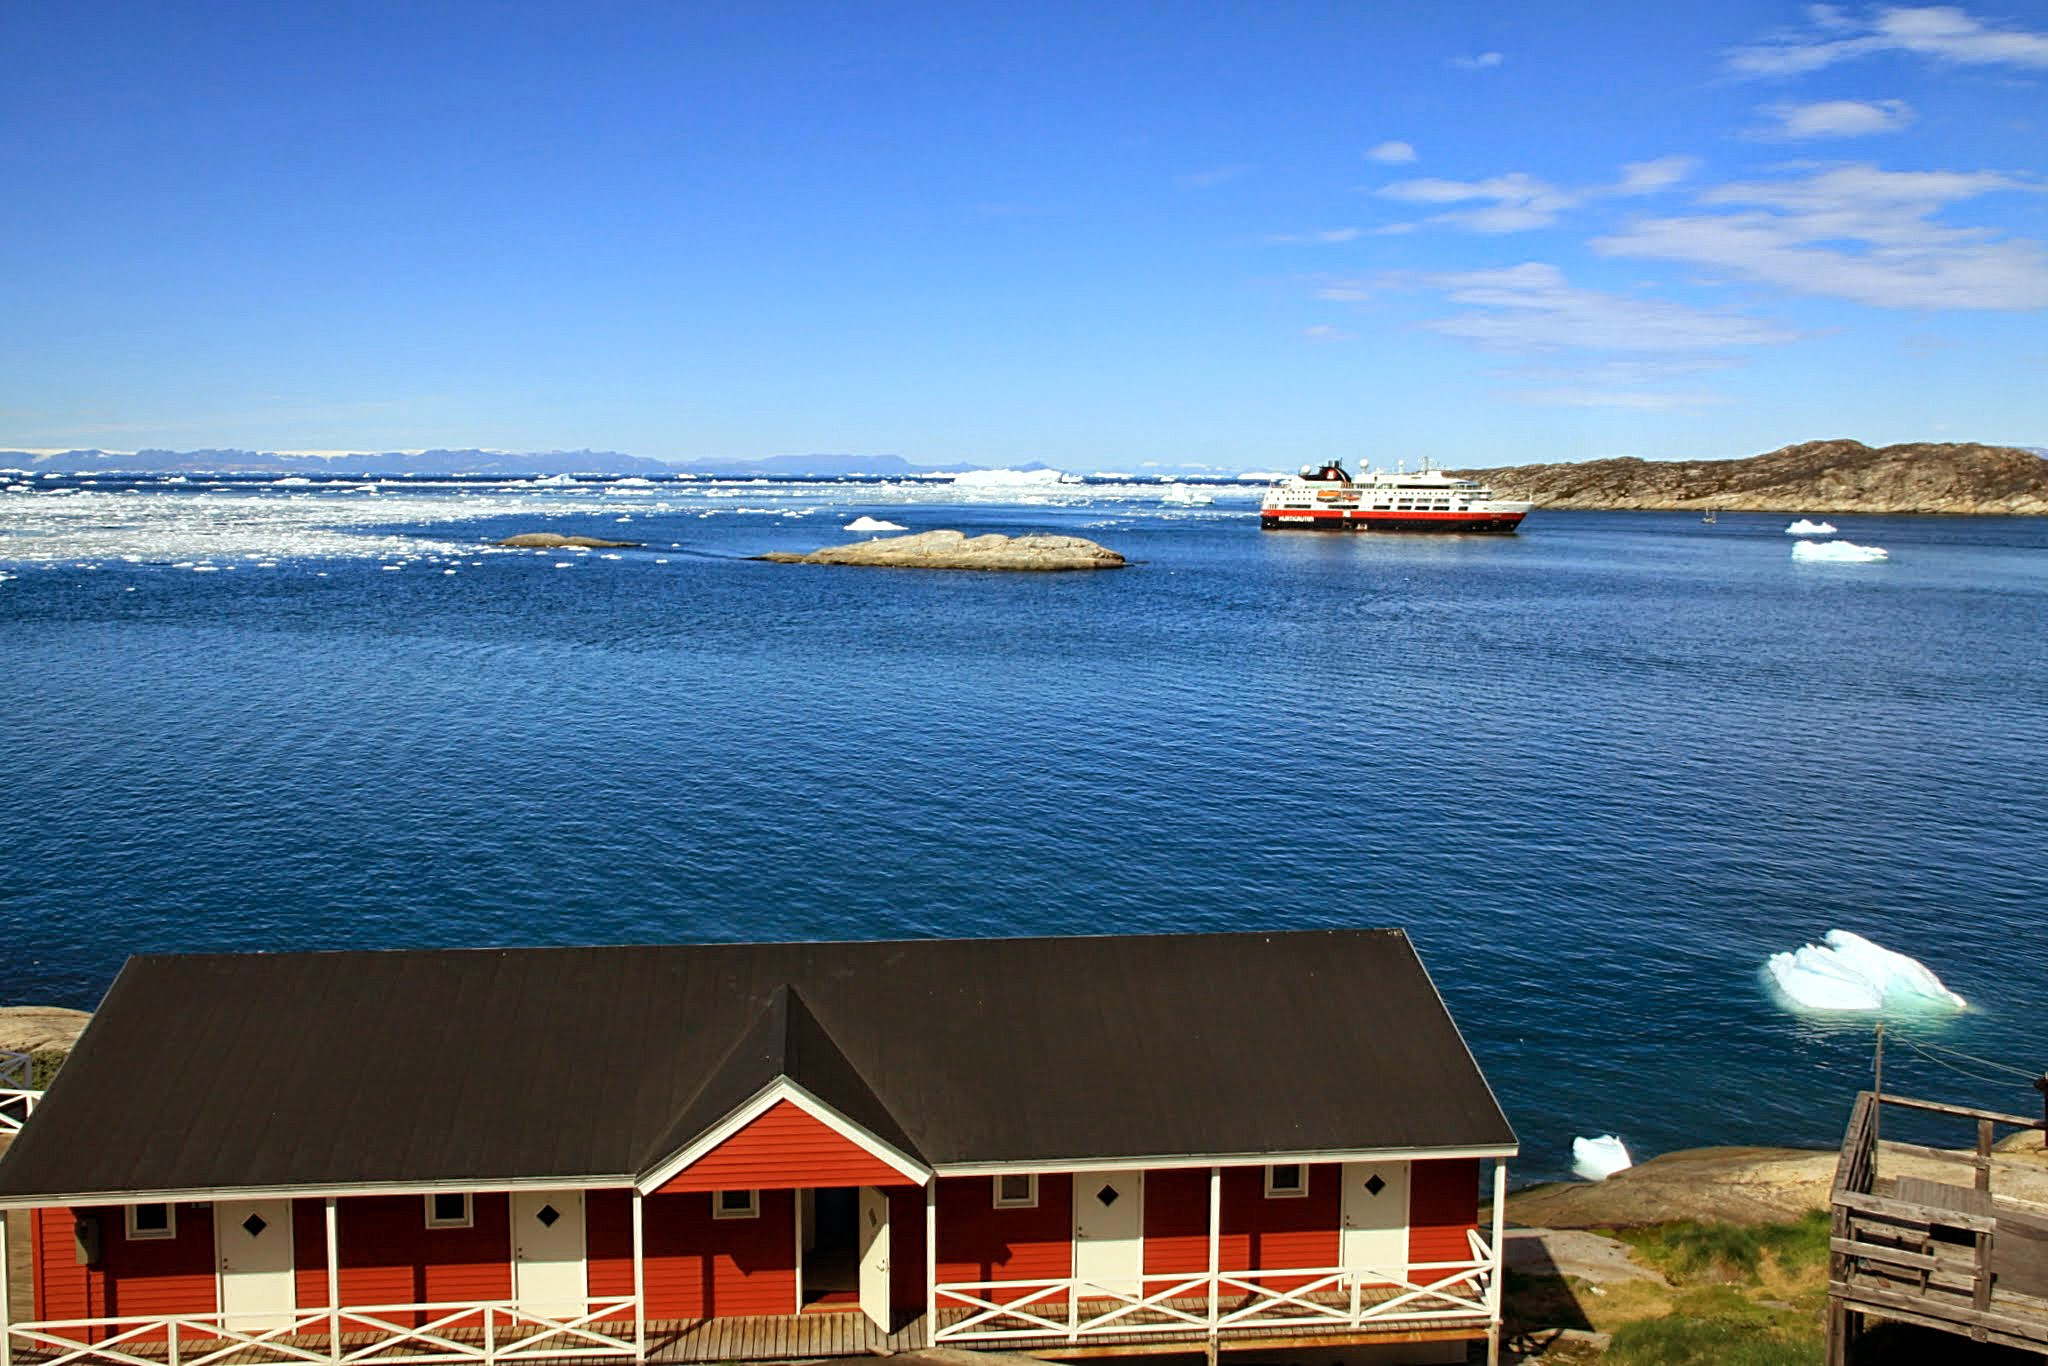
point(874, 1255)
point(1109, 1232)
point(1375, 1219)
point(253, 1239)
point(548, 1275)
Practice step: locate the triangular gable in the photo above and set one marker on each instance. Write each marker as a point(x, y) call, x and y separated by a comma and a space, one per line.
point(785, 1139)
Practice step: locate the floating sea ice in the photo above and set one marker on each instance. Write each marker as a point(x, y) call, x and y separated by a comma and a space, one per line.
point(1802, 527)
point(865, 523)
point(1839, 552)
point(608, 557)
point(632, 482)
point(447, 571)
point(1848, 972)
point(1596, 1159)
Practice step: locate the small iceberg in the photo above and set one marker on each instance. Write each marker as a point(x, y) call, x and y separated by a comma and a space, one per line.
point(1596, 1159)
point(1802, 527)
point(1846, 972)
point(873, 524)
point(1186, 495)
point(1839, 552)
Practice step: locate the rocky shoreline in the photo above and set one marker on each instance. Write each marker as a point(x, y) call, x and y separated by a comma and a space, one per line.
point(1814, 476)
point(1033, 551)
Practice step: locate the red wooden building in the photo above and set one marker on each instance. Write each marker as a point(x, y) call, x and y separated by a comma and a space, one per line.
point(716, 1152)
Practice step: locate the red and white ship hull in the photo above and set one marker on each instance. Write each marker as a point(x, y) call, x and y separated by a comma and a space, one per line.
point(1328, 499)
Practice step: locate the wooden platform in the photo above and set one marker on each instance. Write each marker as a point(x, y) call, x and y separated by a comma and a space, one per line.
point(1954, 1257)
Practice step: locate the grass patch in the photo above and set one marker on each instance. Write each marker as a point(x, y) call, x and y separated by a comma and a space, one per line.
point(1689, 1250)
point(43, 1065)
point(1716, 1340)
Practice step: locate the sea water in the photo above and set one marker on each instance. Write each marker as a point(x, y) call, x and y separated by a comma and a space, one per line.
point(1600, 771)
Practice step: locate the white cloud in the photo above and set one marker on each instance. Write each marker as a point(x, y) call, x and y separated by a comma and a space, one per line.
point(1213, 176)
point(1325, 237)
point(1533, 308)
point(1481, 61)
point(1944, 33)
point(1323, 332)
point(1517, 202)
point(1834, 119)
point(1507, 203)
point(1391, 153)
point(1854, 232)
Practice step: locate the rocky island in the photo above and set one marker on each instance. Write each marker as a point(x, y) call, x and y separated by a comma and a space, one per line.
point(1814, 476)
point(957, 550)
point(548, 540)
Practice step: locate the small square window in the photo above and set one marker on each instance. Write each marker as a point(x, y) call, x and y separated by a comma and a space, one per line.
point(449, 1209)
point(1285, 1180)
point(152, 1221)
point(736, 1205)
point(1017, 1190)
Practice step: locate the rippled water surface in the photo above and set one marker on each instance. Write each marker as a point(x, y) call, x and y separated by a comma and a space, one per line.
point(1599, 771)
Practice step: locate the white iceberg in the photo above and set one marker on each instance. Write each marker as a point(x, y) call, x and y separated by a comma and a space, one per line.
point(1802, 527)
point(1186, 495)
point(1011, 479)
point(1839, 552)
point(873, 524)
point(1848, 972)
point(632, 481)
point(1596, 1159)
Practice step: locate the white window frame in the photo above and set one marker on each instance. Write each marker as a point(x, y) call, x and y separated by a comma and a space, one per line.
point(1274, 1192)
point(1029, 1200)
point(720, 1211)
point(169, 1230)
point(467, 1218)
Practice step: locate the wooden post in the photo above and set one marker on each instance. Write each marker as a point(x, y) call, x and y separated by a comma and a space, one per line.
point(2042, 1087)
point(1500, 1223)
point(1876, 1103)
point(1215, 1258)
point(640, 1278)
point(6, 1308)
point(333, 1222)
point(1984, 1155)
point(931, 1260)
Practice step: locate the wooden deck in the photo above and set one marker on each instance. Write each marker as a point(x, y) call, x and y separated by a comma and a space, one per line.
point(1948, 1256)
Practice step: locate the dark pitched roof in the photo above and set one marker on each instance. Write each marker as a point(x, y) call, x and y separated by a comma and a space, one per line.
point(343, 1070)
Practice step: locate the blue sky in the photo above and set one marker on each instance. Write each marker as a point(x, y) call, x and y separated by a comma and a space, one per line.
point(1099, 235)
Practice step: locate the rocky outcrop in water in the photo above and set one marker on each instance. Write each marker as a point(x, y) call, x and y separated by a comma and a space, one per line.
point(957, 550)
point(1815, 476)
point(548, 540)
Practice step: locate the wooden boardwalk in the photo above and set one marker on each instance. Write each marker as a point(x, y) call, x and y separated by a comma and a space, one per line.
point(1957, 1258)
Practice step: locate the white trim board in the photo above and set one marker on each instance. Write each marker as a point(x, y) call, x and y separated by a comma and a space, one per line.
point(764, 1100)
point(1184, 1160)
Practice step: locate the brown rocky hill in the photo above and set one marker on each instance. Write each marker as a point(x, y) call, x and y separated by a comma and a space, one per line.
point(1815, 476)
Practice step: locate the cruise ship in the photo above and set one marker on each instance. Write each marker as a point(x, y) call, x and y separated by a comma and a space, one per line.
point(1328, 499)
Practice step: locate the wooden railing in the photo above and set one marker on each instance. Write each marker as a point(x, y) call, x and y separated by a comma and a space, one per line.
point(1957, 1257)
point(368, 1335)
point(18, 1096)
point(1196, 1305)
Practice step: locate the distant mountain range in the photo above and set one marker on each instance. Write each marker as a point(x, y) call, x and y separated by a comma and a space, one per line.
point(1815, 476)
point(506, 464)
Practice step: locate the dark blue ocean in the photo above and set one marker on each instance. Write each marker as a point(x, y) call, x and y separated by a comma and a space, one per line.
point(1599, 771)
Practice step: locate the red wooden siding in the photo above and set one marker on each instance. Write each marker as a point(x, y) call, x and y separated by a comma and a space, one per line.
point(906, 1249)
point(388, 1255)
point(1257, 1234)
point(978, 1242)
point(1443, 1202)
point(782, 1149)
point(696, 1266)
point(141, 1278)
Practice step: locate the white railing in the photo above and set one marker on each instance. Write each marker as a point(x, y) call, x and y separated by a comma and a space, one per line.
point(1191, 1305)
point(18, 1095)
point(370, 1335)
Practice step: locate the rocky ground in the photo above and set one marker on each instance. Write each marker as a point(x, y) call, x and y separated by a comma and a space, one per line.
point(40, 1029)
point(1814, 476)
point(957, 550)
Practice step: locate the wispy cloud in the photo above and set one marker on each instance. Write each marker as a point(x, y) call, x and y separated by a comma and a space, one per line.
point(1324, 332)
point(1944, 33)
point(1212, 176)
point(1532, 307)
point(1478, 61)
point(1832, 119)
point(1854, 232)
point(1518, 202)
point(1391, 153)
point(1324, 237)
